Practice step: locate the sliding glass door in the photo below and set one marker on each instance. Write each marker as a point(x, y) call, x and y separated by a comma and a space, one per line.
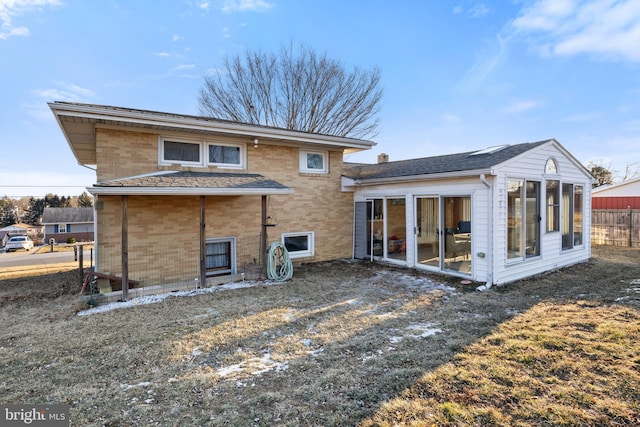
point(443, 233)
point(427, 231)
point(387, 228)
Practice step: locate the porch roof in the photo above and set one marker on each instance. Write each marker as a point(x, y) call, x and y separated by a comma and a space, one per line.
point(191, 183)
point(474, 162)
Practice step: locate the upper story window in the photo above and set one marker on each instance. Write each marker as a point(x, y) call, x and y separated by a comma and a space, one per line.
point(201, 153)
point(226, 155)
point(551, 167)
point(180, 152)
point(314, 161)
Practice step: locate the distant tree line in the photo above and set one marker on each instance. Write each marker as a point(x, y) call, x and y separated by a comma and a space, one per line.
point(29, 210)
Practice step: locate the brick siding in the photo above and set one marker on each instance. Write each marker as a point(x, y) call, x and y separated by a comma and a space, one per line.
point(164, 230)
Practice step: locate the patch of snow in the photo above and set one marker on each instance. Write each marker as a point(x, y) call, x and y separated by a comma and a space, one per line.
point(254, 366)
point(427, 329)
point(316, 353)
point(305, 342)
point(144, 384)
point(152, 299)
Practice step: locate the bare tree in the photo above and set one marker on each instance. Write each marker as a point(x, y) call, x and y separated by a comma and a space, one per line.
point(296, 90)
point(631, 171)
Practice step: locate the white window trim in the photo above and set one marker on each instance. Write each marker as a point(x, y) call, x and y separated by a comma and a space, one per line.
point(301, 254)
point(62, 228)
point(243, 155)
point(303, 162)
point(204, 153)
point(163, 161)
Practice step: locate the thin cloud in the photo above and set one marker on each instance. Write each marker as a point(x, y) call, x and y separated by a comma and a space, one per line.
point(10, 9)
point(478, 10)
point(581, 118)
point(606, 29)
point(485, 63)
point(451, 119)
point(230, 6)
point(520, 106)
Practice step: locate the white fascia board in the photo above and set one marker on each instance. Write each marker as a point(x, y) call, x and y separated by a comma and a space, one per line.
point(426, 177)
point(348, 185)
point(177, 191)
point(193, 123)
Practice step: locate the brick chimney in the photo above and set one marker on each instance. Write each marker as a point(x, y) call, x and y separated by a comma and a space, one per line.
point(383, 158)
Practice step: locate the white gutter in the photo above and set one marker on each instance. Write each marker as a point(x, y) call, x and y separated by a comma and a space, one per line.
point(425, 177)
point(186, 191)
point(489, 282)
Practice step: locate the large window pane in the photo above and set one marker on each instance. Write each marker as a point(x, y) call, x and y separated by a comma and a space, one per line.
point(224, 154)
point(532, 219)
point(553, 205)
point(577, 215)
point(181, 151)
point(397, 229)
point(218, 257)
point(514, 219)
point(567, 216)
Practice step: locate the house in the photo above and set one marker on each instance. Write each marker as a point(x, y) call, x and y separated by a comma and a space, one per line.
point(624, 195)
point(494, 215)
point(186, 199)
point(62, 224)
point(18, 229)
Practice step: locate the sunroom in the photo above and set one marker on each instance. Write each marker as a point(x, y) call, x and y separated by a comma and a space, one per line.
point(493, 215)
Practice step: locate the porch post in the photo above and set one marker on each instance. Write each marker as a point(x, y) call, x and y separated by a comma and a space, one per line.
point(263, 238)
point(125, 249)
point(203, 245)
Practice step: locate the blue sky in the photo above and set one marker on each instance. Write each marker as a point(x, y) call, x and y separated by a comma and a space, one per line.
point(457, 75)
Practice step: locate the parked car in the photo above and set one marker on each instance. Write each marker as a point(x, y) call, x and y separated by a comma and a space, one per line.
point(19, 242)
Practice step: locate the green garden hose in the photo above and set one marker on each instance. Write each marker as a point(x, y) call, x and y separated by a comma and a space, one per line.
point(279, 265)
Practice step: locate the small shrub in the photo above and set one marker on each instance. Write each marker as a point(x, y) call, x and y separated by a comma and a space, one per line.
point(71, 240)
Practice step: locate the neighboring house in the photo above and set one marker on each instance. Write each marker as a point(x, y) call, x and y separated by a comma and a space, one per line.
point(182, 198)
point(616, 216)
point(62, 224)
point(494, 215)
point(623, 195)
point(18, 229)
point(185, 197)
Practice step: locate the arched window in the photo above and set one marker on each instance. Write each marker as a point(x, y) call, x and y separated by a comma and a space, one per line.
point(551, 167)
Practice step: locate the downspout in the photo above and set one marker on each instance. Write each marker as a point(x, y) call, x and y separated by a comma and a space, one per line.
point(487, 285)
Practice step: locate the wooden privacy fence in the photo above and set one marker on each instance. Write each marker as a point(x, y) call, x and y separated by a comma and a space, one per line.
point(616, 227)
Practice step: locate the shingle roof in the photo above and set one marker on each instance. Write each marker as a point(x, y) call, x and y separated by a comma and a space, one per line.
point(197, 180)
point(67, 215)
point(459, 162)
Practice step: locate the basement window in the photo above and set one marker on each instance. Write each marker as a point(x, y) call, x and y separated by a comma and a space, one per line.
point(299, 244)
point(220, 256)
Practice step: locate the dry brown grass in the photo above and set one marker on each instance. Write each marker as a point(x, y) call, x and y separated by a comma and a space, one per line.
point(342, 343)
